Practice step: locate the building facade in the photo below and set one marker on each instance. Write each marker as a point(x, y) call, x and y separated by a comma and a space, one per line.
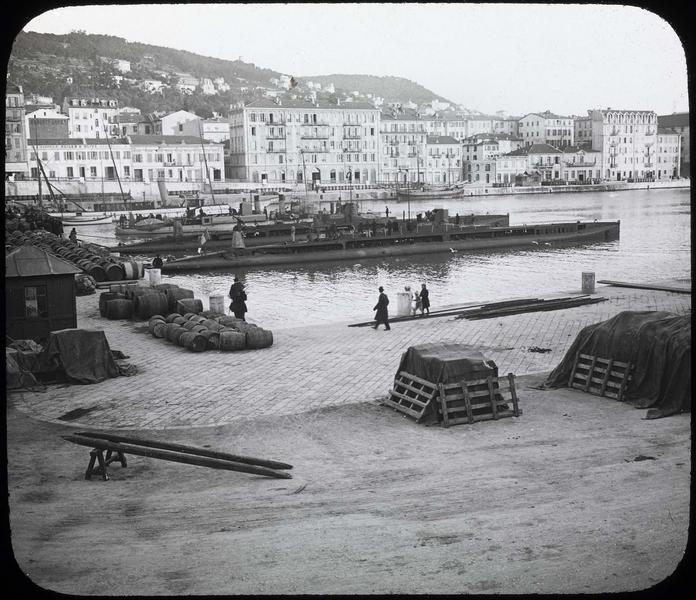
point(668, 153)
point(546, 128)
point(582, 128)
point(46, 123)
point(213, 130)
point(16, 165)
point(627, 140)
point(443, 162)
point(91, 117)
point(581, 165)
point(679, 122)
point(299, 141)
point(173, 123)
point(403, 137)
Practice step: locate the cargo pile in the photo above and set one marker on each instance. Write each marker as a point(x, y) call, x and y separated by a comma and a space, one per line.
point(174, 314)
point(97, 266)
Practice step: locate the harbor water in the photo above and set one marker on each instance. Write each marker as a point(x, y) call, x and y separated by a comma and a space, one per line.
point(655, 244)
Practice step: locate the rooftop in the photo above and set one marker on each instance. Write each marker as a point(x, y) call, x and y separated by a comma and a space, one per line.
point(320, 104)
point(543, 149)
point(441, 139)
point(673, 120)
point(30, 261)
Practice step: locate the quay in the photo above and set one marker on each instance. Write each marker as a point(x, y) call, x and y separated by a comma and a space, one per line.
point(377, 503)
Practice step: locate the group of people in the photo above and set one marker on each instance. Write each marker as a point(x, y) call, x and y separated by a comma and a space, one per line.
point(420, 301)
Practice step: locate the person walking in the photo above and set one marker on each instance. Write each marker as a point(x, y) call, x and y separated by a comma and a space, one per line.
point(424, 300)
point(73, 236)
point(238, 295)
point(382, 315)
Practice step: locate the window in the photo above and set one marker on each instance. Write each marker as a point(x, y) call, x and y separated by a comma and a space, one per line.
point(35, 302)
point(69, 172)
point(253, 131)
point(93, 171)
point(126, 171)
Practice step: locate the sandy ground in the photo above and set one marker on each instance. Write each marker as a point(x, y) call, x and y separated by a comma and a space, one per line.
point(557, 500)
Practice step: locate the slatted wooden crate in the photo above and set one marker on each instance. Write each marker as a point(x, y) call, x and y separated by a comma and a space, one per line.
point(600, 376)
point(411, 395)
point(475, 400)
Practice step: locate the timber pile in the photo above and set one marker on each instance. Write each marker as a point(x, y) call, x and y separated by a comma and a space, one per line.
point(116, 446)
point(515, 307)
point(647, 286)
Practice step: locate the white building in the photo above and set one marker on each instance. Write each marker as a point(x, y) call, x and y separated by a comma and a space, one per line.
point(443, 161)
point(173, 123)
point(152, 86)
point(90, 117)
point(581, 165)
point(547, 128)
point(403, 137)
point(213, 130)
point(299, 141)
point(207, 87)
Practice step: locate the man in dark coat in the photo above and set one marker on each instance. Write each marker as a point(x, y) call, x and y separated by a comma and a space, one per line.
point(382, 315)
point(425, 300)
point(238, 296)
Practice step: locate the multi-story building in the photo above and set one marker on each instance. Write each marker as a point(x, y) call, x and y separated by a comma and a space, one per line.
point(137, 124)
point(580, 164)
point(443, 160)
point(508, 126)
point(207, 87)
point(46, 123)
point(582, 130)
point(546, 160)
point(146, 158)
point(546, 128)
point(627, 140)
point(509, 166)
point(679, 122)
point(668, 154)
point(15, 133)
point(479, 153)
point(299, 141)
point(91, 117)
point(403, 146)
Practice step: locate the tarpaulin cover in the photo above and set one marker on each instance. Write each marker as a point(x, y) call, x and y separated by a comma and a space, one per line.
point(83, 354)
point(658, 344)
point(446, 363)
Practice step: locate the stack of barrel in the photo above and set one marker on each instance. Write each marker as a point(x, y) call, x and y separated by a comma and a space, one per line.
point(209, 331)
point(97, 266)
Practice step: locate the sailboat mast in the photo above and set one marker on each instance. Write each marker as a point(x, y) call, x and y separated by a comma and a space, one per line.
point(205, 160)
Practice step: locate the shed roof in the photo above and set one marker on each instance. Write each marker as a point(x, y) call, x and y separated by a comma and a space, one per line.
point(30, 261)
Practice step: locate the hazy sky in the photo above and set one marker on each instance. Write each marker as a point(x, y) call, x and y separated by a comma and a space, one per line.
point(517, 58)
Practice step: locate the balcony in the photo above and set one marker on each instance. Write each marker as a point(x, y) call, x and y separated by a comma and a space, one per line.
point(347, 136)
point(276, 150)
point(275, 136)
point(579, 164)
point(314, 137)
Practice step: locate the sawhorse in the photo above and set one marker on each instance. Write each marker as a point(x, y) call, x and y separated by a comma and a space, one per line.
point(97, 455)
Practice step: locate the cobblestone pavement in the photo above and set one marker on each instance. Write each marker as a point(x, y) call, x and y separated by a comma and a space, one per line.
point(306, 368)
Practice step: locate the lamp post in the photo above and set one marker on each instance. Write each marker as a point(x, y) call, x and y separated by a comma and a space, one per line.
point(408, 191)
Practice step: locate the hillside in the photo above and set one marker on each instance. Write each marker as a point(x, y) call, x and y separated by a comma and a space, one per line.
point(71, 64)
point(396, 89)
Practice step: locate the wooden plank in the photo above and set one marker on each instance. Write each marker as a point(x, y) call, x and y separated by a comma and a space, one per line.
point(409, 399)
point(587, 357)
point(402, 408)
point(494, 403)
point(580, 376)
point(443, 406)
point(419, 380)
point(478, 418)
point(587, 385)
point(271, 464)
point(645, 286)
point(513, 394)
point(572, 371)
point(467, 403)
point(419, 392)
point(624, 383)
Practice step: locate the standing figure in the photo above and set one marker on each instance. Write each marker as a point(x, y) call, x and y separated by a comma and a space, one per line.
point(292, 232)
point(73, 236)
point(382, 315)
point(238, 295)
point(157, 262)
point(424, 299)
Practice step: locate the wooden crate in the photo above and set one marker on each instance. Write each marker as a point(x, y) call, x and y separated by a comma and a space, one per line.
point(600, 376)
point(411, 395)
point(475, 400)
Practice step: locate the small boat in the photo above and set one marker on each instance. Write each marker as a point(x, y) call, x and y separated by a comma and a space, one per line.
point(463, 238)
point(429, 193)
point(86, 220)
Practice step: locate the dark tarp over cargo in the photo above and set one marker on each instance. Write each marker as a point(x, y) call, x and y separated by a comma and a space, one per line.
point(445, 363)
point(83, 354)
point(658, 344)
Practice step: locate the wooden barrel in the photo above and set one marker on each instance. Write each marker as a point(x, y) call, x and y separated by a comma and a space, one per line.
point(228, 320)
point(213, 338)
point(171, 316)
point(165, 286)
point(131, 270)
point(189, 304)
point(179, 321)
point(197, 319)
point(193, 341)
point(150, 304)
point(188, 315)
point(157, 318)
point(176, 294)
point(189, 325)
point(152, 323)
point(176, 334)
point(200, 328)
point(160, 329)
point(133, 291)
point(114, 272)
point(96, 271)
point(231, 340)
point(119, 309)
point(104, 297)
point(211, 314)
point(172, 329)
point(257, 337)
point(210, 324)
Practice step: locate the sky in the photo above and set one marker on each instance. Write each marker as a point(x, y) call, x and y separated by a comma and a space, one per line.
point(514, 58)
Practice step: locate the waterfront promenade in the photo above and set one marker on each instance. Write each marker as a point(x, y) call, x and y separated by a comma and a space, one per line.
point(556, 500)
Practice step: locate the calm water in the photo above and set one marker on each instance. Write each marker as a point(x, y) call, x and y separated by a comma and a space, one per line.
point(655, 244)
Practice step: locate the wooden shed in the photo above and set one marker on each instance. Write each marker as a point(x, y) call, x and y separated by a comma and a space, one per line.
point(39, 293)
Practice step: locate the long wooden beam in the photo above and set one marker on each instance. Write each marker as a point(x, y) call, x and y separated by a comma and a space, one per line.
point(262, 462)
point(646, 286)
point(179, 457)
